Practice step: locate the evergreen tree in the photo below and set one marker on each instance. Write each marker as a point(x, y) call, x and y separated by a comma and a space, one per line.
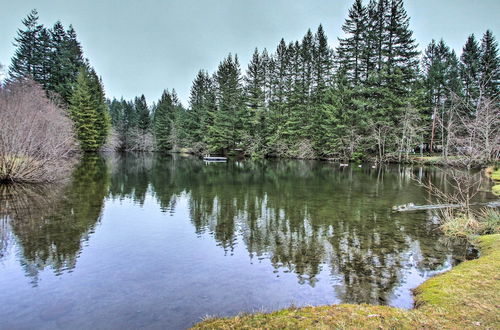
point(57, 58)
point(321, 114)
point(130, 122)
point(278, 66)
point(30, 56)
point(400, 47)
point(351, 49)
point(115, 112)
point(202, 102)
point(164, 121)
point(470, 62)
point(131, 117)
point(379, 25)
point(180, 119)
point(490, 66)
point(103, 120)
point(89, 110)
point(66, 60)
point(306, 52)
point(322, 64)
point(44, 69)
point(143, 115)
point(296, 97)
point(225, 133)
point(83, 112)
point(296, 102)
point(442, 80)
point(267, 70)
point(370, 41)
point(51, 57)
point(255, 100)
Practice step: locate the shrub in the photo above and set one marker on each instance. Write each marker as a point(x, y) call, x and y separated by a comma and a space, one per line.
point(36, 136)
point(466, 225)
point(459, 225)
point(490, 221)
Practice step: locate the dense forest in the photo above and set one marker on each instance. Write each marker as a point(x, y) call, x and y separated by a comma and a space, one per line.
point(374, 96)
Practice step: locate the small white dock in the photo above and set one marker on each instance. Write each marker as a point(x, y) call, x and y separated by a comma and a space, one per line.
point(215, 159)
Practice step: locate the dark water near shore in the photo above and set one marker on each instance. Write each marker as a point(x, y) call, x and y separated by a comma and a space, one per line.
point(149, 241)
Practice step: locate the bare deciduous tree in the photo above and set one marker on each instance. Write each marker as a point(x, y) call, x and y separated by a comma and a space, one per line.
point(36, 136)
point(411, 133)
point(474, 137)
point(381, 134)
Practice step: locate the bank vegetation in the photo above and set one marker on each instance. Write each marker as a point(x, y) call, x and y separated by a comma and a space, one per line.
point(36, 134)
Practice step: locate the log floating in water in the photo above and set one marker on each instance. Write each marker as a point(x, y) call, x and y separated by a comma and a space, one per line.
point(413, 207)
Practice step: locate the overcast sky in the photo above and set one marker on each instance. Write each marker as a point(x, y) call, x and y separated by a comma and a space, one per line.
point(143, 47)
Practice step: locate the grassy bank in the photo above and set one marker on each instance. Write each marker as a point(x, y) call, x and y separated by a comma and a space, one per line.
point(494, 173)
point(465, 297)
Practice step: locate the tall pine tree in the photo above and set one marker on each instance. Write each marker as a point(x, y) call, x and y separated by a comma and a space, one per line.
point(84, 114)
point(489, 66)
point(225, 134)
point(30, 55)
point(470, 62)
point(163, 120)
point(143, 115)
point(351, 48)
point(255, 101)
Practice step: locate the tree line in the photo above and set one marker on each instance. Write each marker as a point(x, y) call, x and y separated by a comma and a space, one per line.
point(375, 94)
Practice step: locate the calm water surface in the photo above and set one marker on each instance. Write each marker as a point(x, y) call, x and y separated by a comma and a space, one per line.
point(148, 241)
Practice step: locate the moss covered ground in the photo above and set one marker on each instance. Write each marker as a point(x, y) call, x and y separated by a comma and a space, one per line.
point(466, 297)
point(495, 176)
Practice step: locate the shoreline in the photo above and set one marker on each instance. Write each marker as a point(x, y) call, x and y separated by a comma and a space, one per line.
point(467, 296)
point(435, 160)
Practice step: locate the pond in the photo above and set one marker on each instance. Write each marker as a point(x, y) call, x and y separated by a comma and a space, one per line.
point(160, 242)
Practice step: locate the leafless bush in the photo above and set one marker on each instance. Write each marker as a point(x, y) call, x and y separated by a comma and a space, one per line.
point(36, 136)
point(459, 188)
point(302, 149)
point(381, 135)
point(349, 144)
point(472, 133)
point(411, 133)
point(199, 148)
point(253, 145)
point(113, 142)
point(138, 140)
point(458, 218)
point(480, 139)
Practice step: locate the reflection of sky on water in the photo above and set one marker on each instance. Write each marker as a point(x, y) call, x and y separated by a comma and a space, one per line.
point(154, 242)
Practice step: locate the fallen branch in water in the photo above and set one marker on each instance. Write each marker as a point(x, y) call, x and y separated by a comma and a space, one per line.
point(413, 207)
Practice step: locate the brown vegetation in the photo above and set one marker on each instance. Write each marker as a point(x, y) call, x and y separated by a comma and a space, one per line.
point(36, 136)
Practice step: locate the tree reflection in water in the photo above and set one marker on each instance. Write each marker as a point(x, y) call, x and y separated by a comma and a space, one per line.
point(305, 217)
point(51, 222)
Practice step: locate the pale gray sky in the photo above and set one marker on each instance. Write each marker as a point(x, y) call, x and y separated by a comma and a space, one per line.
point(143, 47)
